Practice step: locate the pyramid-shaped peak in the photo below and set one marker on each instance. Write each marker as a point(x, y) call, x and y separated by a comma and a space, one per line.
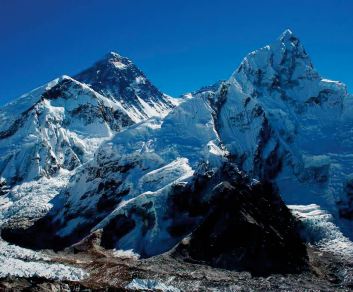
point(64, 77)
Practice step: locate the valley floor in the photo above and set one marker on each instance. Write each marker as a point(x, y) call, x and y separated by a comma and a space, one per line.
point(165, 273)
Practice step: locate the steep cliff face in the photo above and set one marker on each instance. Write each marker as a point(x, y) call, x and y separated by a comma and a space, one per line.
point(274, 103)
point(245, 225)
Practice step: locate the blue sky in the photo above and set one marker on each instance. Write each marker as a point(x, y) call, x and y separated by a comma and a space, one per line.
point(180, 45)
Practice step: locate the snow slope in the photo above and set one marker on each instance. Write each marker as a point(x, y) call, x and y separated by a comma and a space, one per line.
point(27, 202)
point(62, 123)
point(140, 165)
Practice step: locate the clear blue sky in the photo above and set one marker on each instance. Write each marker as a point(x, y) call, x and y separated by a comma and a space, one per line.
point(180, 45)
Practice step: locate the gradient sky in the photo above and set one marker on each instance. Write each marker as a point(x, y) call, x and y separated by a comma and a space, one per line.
point(180, 45)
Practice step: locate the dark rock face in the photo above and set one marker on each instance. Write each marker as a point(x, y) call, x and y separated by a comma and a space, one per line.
point(246, 227)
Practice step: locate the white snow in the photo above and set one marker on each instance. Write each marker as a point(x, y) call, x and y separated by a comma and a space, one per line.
point(150, 111)
point(21, 262)
point(119, 65)
point(31, 200)
point(321, 230)
point(62, 132)
point(163, 152)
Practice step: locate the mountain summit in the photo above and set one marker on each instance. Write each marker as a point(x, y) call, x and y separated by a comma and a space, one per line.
point(276, 67)
point(117, 78)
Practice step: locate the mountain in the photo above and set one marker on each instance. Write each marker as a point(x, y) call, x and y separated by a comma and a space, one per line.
point(117, 78)
point(282, 122)
point(61, 124)
point(46, 134)
point(205, 179)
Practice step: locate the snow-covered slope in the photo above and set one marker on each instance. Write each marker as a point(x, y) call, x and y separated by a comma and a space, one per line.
point(117, 78)
point(137, 169)
point(59, 125)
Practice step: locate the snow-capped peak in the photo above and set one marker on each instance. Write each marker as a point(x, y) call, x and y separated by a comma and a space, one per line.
point(58, 126)
point(275, 117)
point(278, 67)
point(119, 79)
